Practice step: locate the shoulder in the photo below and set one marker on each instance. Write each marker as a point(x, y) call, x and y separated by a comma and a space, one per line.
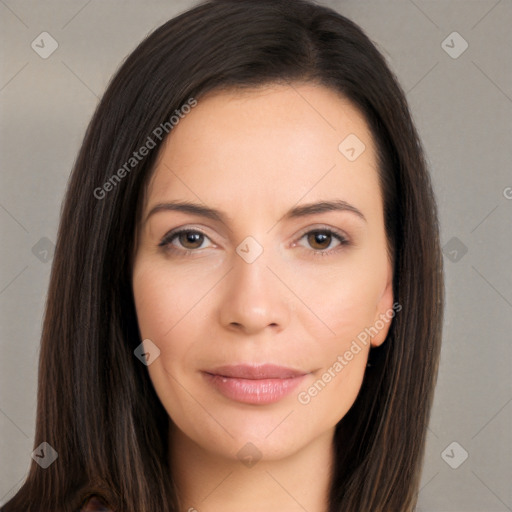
point(94, 504)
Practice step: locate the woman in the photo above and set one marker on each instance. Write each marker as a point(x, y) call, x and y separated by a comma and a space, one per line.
point(246, 298)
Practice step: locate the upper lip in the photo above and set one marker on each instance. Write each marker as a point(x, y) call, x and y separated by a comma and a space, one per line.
point(255, 372)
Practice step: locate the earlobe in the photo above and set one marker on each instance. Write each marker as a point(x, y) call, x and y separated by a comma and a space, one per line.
point(383, 315)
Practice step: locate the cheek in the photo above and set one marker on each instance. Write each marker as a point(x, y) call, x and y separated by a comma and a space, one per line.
point(159, 307)
point(344, 298)
point(346, 301)
point(161, 313)
point(163, 299)
point(342, 362)
point(167, 305)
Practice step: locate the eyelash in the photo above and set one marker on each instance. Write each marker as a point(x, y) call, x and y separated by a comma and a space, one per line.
point(170, 237)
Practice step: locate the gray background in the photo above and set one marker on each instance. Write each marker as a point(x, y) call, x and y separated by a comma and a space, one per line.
point(462, 107)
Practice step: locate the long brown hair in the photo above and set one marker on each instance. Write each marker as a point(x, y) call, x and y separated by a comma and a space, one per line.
point(96, 405)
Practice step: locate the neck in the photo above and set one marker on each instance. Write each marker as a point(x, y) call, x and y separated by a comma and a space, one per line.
point(208, 481)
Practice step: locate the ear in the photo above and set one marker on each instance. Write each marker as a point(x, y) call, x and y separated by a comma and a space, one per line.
point(384, 312)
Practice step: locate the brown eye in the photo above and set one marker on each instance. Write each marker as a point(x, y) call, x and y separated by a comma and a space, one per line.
point(324, 242)
point(319, 239)
point(184, 241)
point(191, 239)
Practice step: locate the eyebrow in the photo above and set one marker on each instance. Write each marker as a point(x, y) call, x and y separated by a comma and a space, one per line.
point(293, 213)
point(321, 207)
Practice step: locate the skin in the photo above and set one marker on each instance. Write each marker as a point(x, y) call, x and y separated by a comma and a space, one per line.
point(254, 155)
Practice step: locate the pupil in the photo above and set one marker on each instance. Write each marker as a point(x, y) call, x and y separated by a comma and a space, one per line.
point(320, 239)
point(191, 238)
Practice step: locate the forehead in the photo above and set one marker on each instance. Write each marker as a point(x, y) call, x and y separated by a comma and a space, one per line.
point(265, 147)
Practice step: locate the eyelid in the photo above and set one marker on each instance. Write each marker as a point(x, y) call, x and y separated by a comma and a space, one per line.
point(169, 236)
point(340, 236)
point(324, 227)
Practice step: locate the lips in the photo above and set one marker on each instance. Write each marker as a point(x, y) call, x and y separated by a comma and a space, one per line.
point(254, 384)
point(256, 372)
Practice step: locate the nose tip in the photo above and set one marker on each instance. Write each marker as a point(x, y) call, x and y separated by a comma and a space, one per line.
point(252, 300)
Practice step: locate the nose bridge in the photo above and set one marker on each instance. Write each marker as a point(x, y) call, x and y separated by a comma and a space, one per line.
point(254, 298)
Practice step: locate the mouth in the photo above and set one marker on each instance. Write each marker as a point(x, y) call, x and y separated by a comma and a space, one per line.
point(254, 384)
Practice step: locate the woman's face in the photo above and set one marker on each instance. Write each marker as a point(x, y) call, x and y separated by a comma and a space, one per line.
point(261, 260)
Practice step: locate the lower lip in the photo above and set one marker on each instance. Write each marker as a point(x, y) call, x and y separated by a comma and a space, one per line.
point(254, 391)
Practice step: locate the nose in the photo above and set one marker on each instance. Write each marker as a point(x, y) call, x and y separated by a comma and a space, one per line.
point(253, 299)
